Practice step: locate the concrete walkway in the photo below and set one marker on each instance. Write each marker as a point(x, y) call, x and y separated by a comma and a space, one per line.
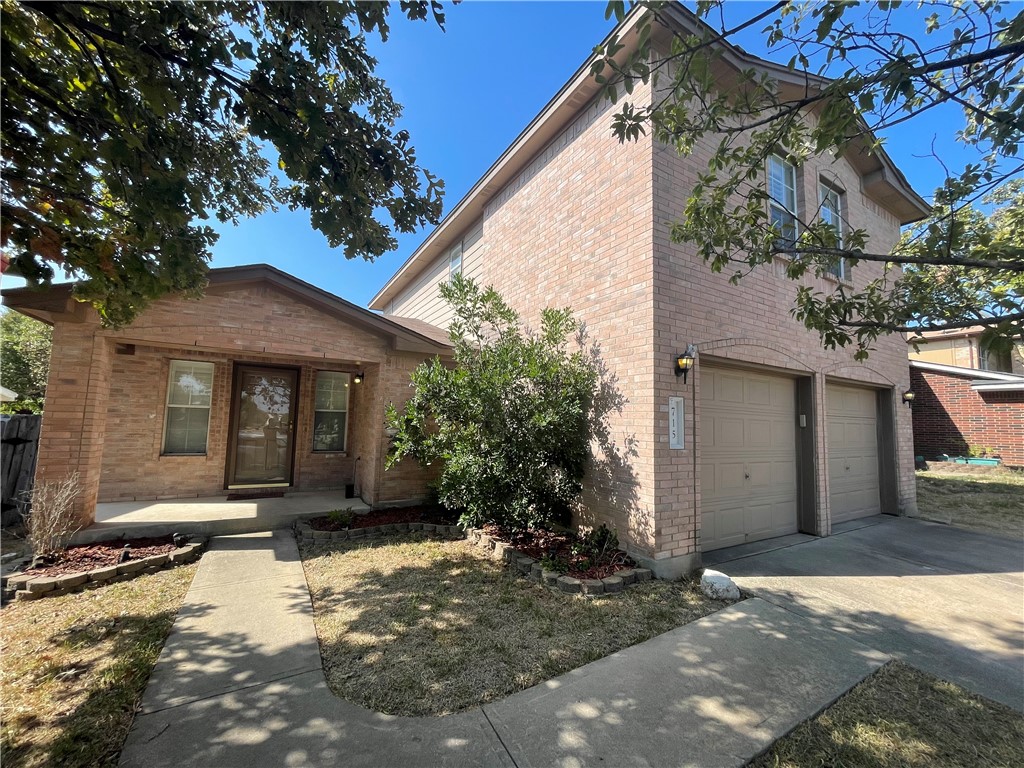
point(239, 683)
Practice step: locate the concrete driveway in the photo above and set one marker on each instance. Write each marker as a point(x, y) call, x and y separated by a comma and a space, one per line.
point(946, 600)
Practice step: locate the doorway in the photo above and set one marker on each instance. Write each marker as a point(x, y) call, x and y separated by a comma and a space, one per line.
point(262, 444)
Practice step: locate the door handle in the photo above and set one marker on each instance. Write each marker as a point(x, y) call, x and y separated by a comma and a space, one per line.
point(746, 475)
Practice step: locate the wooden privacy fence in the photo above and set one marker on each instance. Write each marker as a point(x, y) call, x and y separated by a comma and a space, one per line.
point(19, 441)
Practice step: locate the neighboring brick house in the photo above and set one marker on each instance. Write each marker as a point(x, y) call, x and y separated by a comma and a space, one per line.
point(266, 381)
point(772, 434)
point(959, 411)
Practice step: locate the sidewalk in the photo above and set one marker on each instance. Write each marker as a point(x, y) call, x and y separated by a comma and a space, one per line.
point(239, 683)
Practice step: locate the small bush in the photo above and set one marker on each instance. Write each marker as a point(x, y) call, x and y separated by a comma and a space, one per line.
point(51, 522)
point(340, 516)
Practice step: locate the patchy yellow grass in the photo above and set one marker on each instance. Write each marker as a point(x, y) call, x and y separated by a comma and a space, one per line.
point(901, 717)
point(419, 626)
point(990, 500)
point(74, 668)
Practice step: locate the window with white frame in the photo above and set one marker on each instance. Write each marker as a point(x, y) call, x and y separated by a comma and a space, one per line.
point(330, 411)
point(832, 215)
point(455, 260)
point(782, 197)
point(189, 396)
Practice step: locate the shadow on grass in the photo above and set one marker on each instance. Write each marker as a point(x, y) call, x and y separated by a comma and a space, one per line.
point(91, 732)
point(432, 627)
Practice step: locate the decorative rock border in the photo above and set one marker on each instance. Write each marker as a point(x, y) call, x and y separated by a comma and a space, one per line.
point(533, 570)
point(304, 531)
point(30, 587)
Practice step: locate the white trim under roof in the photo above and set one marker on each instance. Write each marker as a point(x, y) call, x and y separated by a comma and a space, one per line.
point(973, 373)
point(998, 386)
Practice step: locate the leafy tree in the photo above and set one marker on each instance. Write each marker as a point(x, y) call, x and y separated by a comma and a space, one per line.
point(511, 421)
point(24, 359)
point(853, 71)
point(125, 126)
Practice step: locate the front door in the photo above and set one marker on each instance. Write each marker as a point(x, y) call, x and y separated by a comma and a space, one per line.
point(263, 427)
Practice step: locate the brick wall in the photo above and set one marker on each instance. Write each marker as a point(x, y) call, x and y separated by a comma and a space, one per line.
point(950, 417)
point(586, 225)
point(106, 410)
point(750, 324)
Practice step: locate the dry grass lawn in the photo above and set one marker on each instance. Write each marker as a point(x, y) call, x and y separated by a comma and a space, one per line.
point(74, 668)
point(902, 717)
point(990, 500)
point(419, 626)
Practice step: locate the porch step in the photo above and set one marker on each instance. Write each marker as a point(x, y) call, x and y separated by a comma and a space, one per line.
point(214, 516)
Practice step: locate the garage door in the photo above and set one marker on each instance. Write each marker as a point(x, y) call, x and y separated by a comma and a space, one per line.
point(852, 452)
point(748, 457)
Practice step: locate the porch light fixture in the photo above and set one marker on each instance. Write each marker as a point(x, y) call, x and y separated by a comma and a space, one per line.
point(684, 361)
point(358, 378)
point(908, 397)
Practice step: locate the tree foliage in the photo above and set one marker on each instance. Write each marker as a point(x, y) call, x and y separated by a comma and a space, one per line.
point(24, 359)
point(510, 421)
point(851, 71)
point(127, 126)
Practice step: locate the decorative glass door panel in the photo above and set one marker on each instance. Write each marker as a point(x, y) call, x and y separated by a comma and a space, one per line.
point(264, 427)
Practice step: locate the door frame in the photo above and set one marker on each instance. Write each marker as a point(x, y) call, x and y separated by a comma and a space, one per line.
point(233, 409)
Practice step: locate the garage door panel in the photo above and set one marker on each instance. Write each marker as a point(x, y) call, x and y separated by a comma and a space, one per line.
point(748, 462)
point(728, 389)
point(759, 392)
point(852, 452)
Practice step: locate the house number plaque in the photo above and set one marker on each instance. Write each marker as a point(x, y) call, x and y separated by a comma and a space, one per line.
point(675, 422)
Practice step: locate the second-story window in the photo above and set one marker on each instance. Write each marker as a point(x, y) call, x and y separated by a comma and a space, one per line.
point(455, 260)
point(782, 197)
point(832, 215)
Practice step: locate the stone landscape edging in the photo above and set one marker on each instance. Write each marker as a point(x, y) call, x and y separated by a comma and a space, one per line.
point(33, 587)
point(530, 568)
point(304, 531)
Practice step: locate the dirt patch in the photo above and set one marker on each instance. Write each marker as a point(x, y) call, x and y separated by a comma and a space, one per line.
point(103, 554)
point(384, 517)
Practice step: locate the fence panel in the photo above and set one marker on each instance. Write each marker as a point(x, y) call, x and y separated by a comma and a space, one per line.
point(19, 443)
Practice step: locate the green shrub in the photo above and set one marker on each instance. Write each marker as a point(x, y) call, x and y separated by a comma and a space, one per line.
point(511, 421)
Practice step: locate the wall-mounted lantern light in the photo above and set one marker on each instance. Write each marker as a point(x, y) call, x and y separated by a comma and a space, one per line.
point(358, 378)
point(908, 397)
point(684, 361)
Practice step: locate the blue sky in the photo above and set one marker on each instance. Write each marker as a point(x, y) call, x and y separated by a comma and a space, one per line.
point(467, 92)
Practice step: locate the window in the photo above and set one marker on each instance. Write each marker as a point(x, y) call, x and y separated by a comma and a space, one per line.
point(330, 417)
point(455, 260)
point(189, 394)
point(782, 197)
point(832, 215)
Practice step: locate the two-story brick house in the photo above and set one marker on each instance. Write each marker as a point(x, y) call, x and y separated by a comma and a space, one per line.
point(771, 434)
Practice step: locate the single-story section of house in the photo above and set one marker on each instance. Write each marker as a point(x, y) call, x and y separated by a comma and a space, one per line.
point(265, 382)
point(959, 410)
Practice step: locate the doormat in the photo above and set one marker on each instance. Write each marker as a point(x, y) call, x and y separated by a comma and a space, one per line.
point(246, 495)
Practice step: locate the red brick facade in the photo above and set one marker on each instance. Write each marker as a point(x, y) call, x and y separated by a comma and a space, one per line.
point(952, 417)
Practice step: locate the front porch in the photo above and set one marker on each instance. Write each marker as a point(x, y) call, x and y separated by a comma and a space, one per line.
point(210, 516)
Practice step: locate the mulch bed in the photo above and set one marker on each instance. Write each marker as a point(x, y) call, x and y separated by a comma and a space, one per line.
point(558, 546)
point(87, 557)
point(386, 517)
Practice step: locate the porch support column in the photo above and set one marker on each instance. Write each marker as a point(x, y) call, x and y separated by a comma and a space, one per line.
point(75, 413)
